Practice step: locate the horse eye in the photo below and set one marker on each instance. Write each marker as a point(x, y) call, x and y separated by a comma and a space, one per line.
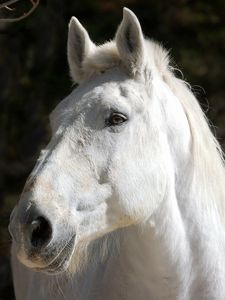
point(116, 119)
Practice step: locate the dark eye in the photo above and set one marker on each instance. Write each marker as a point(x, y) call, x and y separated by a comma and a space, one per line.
point(116, 119)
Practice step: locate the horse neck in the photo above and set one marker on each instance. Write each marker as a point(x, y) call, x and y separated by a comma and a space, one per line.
point(175, 245)
point(157, 253)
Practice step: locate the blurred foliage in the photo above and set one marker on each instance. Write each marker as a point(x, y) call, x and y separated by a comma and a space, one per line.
point(34, 76)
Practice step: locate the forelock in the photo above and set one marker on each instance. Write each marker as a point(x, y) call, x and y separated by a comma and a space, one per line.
point(106, 57)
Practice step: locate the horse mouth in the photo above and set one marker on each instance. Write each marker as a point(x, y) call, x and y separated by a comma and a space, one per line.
point(61, 261)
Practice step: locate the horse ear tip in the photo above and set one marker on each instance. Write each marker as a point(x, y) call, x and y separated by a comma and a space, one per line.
point(128, 13)
point(74, 21)
point(126, 9)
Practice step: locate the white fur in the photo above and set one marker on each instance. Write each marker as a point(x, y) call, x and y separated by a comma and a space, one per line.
point(145, 199)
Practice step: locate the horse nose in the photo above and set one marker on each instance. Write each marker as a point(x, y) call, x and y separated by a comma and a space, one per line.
point(40, 232)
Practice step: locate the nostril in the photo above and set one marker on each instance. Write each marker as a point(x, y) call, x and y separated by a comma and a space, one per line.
point(41, 232)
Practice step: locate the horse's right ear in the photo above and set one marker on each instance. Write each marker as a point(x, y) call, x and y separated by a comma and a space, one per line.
point(79, 46)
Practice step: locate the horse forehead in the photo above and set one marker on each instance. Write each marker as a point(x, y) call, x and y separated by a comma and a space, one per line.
point(110, 90)
point(124, 93)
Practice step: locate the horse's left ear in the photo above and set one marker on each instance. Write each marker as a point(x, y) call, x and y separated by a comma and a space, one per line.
point(130, 43)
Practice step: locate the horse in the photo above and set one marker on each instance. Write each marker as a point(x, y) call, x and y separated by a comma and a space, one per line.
point(127, 199)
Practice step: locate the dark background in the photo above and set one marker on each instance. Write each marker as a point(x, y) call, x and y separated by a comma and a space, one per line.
point(34, 75)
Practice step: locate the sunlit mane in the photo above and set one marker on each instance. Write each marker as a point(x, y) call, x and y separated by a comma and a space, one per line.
point(208, 160)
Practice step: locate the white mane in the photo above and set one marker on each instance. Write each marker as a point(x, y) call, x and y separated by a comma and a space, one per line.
point(207, 155)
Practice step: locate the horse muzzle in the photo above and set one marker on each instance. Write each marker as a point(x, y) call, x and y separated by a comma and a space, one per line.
point(41, 243)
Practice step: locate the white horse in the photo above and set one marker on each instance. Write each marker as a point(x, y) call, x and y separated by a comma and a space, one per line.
point(127, 200)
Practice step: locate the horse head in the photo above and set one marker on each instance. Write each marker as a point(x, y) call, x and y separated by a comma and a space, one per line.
point(118, 143)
